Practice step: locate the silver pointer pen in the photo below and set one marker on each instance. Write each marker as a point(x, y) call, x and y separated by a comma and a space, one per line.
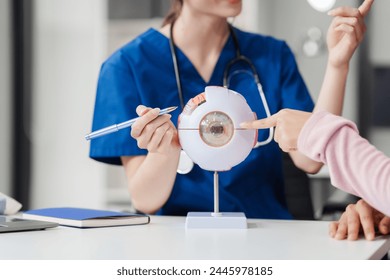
point(117, 127)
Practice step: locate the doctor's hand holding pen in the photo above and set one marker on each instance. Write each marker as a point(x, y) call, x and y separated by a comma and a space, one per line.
point(155, 133)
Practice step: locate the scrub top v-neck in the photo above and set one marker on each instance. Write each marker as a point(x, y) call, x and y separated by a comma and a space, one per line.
point(141, 72)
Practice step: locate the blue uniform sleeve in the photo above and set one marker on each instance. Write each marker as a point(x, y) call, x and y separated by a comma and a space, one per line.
point(116, 101)
point(295, 94)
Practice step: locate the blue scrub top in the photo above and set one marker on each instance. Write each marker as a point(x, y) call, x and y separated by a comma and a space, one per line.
point(141, 72)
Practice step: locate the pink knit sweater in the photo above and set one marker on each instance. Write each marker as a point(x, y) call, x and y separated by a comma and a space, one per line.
point(355, 165)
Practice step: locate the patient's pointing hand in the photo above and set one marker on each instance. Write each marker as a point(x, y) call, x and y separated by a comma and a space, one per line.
point(288, 125)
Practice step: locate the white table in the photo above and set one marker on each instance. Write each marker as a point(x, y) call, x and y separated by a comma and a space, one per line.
point(167, 238)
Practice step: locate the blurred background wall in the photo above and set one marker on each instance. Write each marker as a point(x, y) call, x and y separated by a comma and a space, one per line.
point(69, 43)
point(5, 97)
point(70, 39)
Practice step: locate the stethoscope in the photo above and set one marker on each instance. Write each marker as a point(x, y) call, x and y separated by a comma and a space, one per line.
point(185, 163)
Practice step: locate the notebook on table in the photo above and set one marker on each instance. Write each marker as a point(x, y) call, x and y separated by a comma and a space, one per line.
point(86, 218)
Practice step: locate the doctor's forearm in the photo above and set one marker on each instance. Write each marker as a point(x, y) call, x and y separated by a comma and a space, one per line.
point(331, 97)
point(151, 185)
point(305, 163)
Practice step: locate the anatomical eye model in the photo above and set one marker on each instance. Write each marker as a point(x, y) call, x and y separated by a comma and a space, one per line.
point(209, 129)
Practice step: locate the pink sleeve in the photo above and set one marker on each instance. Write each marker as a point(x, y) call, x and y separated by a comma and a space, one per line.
point(355, 165)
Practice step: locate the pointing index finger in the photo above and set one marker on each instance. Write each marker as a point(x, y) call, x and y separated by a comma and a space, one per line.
point(365, 7)
point(262, 123)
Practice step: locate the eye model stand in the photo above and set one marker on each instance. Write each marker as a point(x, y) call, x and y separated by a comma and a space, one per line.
point(216, 219)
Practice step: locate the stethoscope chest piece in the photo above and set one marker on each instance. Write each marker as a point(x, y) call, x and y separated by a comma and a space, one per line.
point(185, 163)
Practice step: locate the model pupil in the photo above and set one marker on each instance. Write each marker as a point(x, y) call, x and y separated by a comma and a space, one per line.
point(216, 129)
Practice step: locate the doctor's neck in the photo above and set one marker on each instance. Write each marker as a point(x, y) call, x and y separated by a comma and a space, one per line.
point(195, 24)
point(201, 30)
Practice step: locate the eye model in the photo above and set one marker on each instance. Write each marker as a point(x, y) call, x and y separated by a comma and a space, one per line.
point(209, 129)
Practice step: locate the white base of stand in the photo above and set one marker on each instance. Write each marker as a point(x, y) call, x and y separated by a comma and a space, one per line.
point(232, 220)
